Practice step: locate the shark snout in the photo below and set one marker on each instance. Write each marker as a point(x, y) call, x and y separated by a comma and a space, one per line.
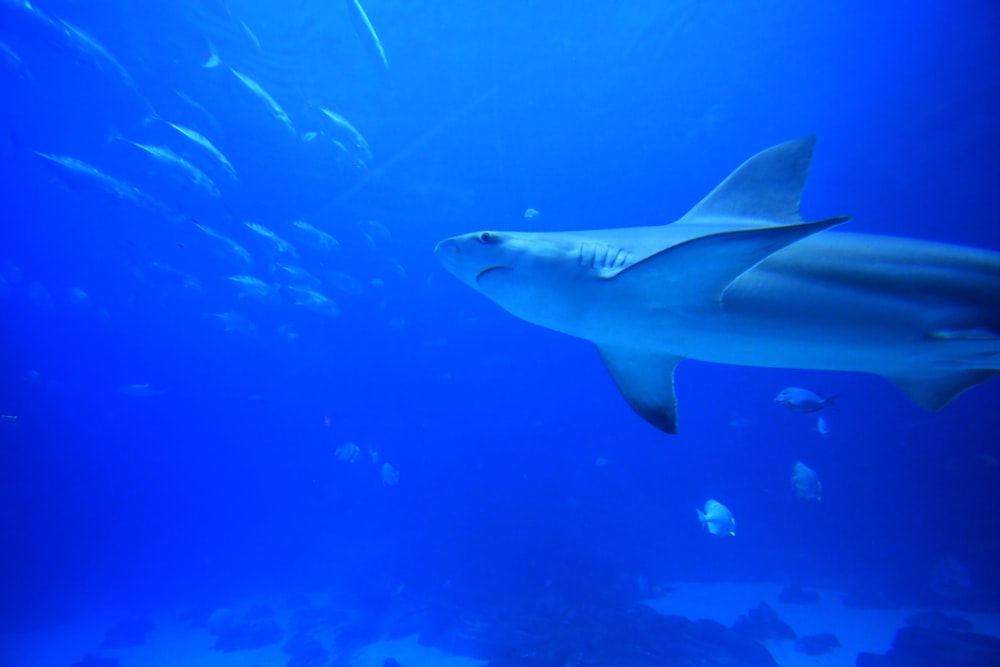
point(448, 246)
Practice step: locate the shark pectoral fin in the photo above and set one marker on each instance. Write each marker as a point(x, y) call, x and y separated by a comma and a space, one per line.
point(647, 383)
point(698, 271)
point(933, 391)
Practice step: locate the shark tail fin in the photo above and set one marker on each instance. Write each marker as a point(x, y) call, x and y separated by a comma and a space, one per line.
point(933, 391)
point(765, 188)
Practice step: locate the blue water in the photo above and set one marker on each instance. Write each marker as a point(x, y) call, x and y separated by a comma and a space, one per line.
point(224, 482)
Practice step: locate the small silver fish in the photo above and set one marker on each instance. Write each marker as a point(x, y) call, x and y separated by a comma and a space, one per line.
point(235, 323)
point(360, 143)
point(313, 300)
point(347, 452)
point(259, 91)
point(230, 244)
point(317, 238)
point(280, 244)
point(390, 476)
point(797, 399)
point(717, 519)
point(366, 33)
point(254, 287)
point(120, 188)
point(822, 426)
point(169, 157)
point(806, 482)
point(203, 141)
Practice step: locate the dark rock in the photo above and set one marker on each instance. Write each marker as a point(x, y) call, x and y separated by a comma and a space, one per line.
point(932, 647)
point(797, 595)
point(306, 651)
point(97, 661)
point(868, 600)
point(130, 632)
point(761, 624)
point(309, 619)
point(547, 633)
point(248, 635)
point(938, 620)
point(259, 611)
point(819, 644)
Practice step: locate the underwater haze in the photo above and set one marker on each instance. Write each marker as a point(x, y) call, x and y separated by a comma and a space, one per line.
point(235, 377)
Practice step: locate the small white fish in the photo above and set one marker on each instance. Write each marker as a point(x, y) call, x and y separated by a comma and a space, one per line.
point(360, 143)
point(317, 238)
point(259, 91)
point(14, 61)
point(213, 59)
point(235, 323)
point(310, 136)
point(87, 44)
point(79, 298)
point(373, 455)
point(806, 482)
point(531, 214)
point(297, 274)
point(280, 244)
point(251, 35)
point(120, 188)
point(375, 233)
point(366, 33)
point(198, 106)
point(203, 141)
point(253, 287)
point(169, 157)
point(822, 426)
point(797, 399)
point(347, 452)
point(230, 244)
point(717, 519)
point(313, 300)
point(390, 476)
point(180, 277)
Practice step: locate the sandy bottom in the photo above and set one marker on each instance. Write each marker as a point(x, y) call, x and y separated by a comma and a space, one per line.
point(174, 643)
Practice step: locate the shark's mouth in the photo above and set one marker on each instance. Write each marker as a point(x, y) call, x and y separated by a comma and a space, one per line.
point(488, 269)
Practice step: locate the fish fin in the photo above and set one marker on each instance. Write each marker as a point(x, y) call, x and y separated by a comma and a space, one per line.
point(936, 390)
point(647, 383)
point(767, 187)
point(965, 334)
point(831, 400)
point(213, 59)
point(697, 272)
point(701, 516)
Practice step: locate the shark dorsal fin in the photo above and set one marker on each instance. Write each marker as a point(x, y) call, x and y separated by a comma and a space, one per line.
point(767, 187)
point(697, 272)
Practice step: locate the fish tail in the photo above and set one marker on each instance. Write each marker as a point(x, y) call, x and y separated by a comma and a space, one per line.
point(831, 401)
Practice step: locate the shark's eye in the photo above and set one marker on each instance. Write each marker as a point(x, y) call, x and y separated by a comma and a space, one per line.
point(488, 237)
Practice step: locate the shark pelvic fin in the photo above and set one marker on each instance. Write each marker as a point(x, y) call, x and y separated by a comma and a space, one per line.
point(696, 272)
point(647, 383)
point(936, 390)
point(767, 187)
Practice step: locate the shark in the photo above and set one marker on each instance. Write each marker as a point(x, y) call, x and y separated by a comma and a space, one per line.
point(742, 279)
